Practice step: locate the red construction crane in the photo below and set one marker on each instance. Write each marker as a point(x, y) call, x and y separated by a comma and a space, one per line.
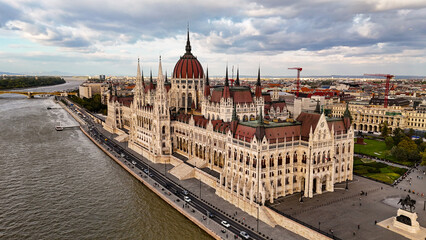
point(299, 69)
point(388, 78)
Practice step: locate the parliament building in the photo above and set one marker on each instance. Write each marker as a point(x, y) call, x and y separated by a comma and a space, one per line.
point(242, 143)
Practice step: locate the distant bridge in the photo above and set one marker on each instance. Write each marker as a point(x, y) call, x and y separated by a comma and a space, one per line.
point(32, 94)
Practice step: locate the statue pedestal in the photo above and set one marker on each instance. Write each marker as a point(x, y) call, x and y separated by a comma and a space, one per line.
point(406, 221)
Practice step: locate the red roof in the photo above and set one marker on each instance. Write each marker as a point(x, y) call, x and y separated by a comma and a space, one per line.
point(308, 120)
point(188, 67)
point(238, 95)
point(125, 101)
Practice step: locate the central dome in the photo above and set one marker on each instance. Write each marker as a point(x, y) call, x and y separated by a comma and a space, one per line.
point(188, 66)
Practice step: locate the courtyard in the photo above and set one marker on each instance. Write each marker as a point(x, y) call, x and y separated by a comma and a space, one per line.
point(349, 215)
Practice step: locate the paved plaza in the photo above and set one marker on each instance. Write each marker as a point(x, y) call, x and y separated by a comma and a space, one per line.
point(350, 215)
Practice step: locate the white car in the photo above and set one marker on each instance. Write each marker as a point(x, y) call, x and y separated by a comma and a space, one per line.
point(187, 199)
point(133, 162)
point(244, 235)
point(225, 224)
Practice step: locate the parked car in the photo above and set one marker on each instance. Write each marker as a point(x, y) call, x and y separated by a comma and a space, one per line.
point(133, 162)
point(225, 224)
point(244, 235)
point(185, 192)
point(187, 199)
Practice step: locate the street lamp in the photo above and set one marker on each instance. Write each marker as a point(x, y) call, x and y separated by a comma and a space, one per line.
point(347, 186)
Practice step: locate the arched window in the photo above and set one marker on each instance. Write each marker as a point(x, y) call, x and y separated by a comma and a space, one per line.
point(287, 158)
point(295, 157)
point(304, 157)
point(271, 161)
point(263, 162)
point(164, 130)
point(280, 160)
point(337, 149)
point(189, 100)
point(315, 158)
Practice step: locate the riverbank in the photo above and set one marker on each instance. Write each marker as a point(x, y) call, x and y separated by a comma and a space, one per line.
point(155, 187)
point(164, 195)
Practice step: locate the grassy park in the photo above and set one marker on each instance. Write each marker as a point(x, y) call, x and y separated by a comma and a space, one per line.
point(375, 148)
point(378, 171)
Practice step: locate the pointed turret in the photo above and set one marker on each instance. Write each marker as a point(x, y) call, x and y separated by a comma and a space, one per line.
point(318, 108)
point(237, 82)
point(188, 44)
point(160, 72)
point(258, 91)
point(151, 83)
point(207, 85)
point(347, 118)
point(226, 93)
point(139, 78)
point(165, 79)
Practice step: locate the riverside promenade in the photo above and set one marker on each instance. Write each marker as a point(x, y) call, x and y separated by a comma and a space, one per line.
point(203, 198)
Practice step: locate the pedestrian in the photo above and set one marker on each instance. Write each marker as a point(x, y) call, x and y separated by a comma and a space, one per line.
point(358, 226)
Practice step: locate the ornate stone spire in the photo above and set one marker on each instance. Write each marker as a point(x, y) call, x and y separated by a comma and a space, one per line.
point(188, 44)
point(318, 107)
point(237, 82)
point(347, 118)
point(226, 77)
point(226, 93)
point(207, 85)
point(160, 72)
point(258, 91)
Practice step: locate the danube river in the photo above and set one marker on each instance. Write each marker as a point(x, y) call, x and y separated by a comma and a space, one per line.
point(59, 185)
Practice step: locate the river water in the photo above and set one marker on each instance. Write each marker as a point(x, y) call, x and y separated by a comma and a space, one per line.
point(59, 185)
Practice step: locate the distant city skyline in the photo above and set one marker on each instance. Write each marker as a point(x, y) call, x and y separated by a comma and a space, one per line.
point(106, 37)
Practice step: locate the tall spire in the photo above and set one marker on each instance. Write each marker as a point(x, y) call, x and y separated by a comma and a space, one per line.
point(318, 107)
point(160, 71)
point(150, 76)
point(226, 94)
point(207, 85)
point(207, 77)
point(237, 82)
point(258, 77)
point(188, 44)
point(258, 91)
point(226, 77)
point(138, 75)
point(165, 80)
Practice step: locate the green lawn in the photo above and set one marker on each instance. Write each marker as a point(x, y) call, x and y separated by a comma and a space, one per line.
point(378, 149)
point(377, 171)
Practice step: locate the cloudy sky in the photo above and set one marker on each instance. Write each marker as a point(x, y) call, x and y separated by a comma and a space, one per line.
point(90, 37)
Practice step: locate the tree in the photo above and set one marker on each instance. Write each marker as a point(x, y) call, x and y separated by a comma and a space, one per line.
point(399, 154)
point(384, 129)
point(389, 142)
point(398, 136)
point(408, 145)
